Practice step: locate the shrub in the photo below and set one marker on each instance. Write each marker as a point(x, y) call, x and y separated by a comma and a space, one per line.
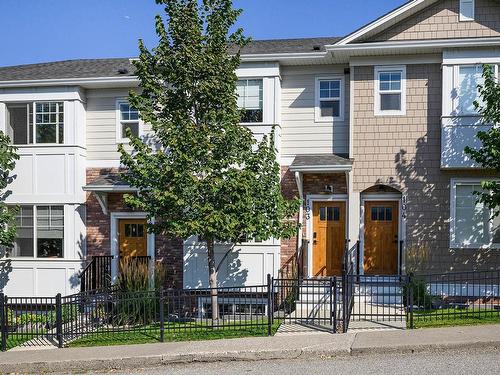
point(421, 296)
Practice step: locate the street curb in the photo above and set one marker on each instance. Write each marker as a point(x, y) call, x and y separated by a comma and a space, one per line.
point(129, 363)
point(425, 348)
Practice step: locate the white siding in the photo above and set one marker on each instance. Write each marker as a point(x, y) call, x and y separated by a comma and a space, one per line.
point(101, 123)
point(300, 133)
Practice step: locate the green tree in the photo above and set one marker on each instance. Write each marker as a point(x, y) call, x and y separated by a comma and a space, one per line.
point(201, 173)
point(8, 157)
point(488, 155)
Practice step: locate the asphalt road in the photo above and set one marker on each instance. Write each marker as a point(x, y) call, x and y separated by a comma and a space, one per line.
point(484, 362)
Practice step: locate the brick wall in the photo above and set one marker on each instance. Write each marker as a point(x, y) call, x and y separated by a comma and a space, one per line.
point(404, 152)
point(313, 183)
point(168, 251)
point(440, 21)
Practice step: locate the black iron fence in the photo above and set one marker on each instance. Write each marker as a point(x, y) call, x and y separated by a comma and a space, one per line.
point(97, 274)
point(163, 315)
point(333, 304)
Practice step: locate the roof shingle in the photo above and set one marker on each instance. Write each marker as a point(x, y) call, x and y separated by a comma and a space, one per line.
point(122, 67)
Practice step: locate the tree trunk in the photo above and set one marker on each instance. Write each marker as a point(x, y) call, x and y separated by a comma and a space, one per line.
point(212, 279)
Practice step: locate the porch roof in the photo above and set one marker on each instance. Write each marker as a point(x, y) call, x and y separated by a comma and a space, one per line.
point(321, 163)
point(109, 182)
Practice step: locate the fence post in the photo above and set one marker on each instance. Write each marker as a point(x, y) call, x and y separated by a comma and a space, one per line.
point(3, 322)
point(269, 305)
point(344, 301)
point(162, 315)
point(59, 335)
point(333, 302)
point(409, 280)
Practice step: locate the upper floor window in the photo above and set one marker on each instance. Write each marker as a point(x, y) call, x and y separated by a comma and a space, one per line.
point(466, 10)
point(128, 118)
point(39, 232)
point(471, 224)
point(43, 125)
point(250, 98)
point(390, 90)
point(329, 100)
point(468, 77)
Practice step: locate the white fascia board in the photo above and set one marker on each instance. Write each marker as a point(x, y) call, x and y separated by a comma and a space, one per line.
point(107, 188)
point(379, 23)
point(321, 168)
point(263, 69)
point(129, 80)
point(471, 56)
point(416, 44)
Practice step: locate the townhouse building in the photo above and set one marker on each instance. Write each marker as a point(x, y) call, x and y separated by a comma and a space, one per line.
point(371, 130)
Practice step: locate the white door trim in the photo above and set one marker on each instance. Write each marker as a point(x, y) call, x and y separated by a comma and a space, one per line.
point(310, 200)
point(401, 233)
point(114, 218)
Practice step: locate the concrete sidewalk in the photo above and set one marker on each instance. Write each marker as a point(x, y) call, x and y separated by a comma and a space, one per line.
point(250, 349)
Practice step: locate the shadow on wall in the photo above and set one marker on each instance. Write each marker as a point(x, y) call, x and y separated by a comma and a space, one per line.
point(230, 271)
point(428, 226)
point(74, 279)
point(5, 269)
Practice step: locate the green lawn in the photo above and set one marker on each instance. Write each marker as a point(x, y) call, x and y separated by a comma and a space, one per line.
point(443, 318)
point(151, 334)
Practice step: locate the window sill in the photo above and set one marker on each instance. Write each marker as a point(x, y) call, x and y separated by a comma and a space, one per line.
point(328, 119)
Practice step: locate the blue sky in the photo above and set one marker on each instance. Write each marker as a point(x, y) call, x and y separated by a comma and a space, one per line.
point(48, 30)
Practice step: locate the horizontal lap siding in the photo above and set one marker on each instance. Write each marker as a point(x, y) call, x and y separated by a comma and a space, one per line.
point(441, 21)
point(300, 133)
point(101, 123)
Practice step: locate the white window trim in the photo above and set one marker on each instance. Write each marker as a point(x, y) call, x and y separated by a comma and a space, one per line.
point(119, 139)
point(453, 187)
point(462, 17)
point(317, 109)
point(376, 81)
point(263, 100)
point(35, 234)
point(456, 89)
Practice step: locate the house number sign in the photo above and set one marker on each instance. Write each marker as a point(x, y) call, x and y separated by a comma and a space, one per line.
point(404, 205)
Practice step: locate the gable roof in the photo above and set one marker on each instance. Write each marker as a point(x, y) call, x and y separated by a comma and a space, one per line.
point(123, 67)
point(387, 20)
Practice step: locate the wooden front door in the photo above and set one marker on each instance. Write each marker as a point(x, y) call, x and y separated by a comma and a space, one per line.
point(132, 238)
point(381, 237)
point(328, 237)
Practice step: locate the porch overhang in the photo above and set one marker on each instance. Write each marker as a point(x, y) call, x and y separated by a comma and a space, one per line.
point(321, 163)
point(112, 182)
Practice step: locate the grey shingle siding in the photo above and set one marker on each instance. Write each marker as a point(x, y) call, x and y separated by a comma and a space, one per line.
point(93, 68)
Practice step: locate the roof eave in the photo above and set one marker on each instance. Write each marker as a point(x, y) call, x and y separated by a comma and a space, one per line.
point(320, 168)
point(99, 81)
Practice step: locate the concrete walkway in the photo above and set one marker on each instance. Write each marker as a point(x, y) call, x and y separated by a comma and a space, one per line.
point(250, 349)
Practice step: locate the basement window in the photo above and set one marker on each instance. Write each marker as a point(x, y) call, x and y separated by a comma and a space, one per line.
point(466, 10)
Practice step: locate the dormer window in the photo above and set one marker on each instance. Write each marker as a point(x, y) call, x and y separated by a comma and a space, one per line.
point(466, 10)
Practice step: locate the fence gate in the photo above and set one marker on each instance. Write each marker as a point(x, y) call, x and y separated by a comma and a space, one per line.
point(308, 303)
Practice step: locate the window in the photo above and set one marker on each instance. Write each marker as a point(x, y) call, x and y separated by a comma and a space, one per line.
point(468, 77)
point(390, 91)
point(329, 99)
point(40, 232)
point(381, 214)
point(48, 118)
point(134, 230)
point(128, 118)
point(466, 10)
point(329, 214)
point(250, 98)
point(470, 221)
